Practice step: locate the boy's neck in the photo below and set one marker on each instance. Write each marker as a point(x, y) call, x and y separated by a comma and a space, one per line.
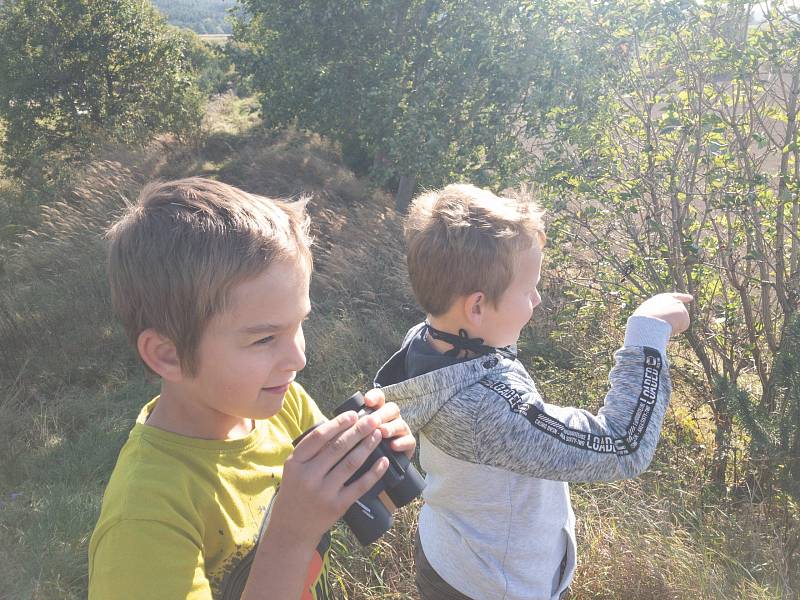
point(176, 414)
point(448, 323)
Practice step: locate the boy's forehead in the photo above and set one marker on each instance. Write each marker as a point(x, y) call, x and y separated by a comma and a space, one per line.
point(277, 296)
point(529, 258)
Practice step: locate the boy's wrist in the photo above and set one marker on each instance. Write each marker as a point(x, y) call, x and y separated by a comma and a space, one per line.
point(284, 530)
point(280, 565)
point(642, 330)
point(285, 540)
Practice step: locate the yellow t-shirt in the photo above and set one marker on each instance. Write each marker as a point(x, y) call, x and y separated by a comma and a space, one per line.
point(181, 516)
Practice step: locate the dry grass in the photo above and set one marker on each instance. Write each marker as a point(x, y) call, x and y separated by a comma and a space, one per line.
point(383, 570)
point(637, 544)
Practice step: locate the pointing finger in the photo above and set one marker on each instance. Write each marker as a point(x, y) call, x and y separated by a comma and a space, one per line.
point(685, 298)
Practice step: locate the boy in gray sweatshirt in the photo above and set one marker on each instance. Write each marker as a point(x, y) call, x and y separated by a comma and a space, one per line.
point(497, 522)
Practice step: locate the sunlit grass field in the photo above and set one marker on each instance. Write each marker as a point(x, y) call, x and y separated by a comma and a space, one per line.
point(70, 387)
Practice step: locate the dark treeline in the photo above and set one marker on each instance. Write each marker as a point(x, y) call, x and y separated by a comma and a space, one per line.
point(201, 16)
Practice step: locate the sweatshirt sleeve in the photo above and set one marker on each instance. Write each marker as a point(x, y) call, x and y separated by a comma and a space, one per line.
point(515, 429)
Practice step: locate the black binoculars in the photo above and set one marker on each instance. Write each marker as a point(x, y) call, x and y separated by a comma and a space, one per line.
point(370, 516)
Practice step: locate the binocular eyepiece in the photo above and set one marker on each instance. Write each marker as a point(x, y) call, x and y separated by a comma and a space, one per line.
point(370, 516)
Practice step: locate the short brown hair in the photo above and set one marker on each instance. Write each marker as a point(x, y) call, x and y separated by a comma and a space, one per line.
point(176, 253)
point(463, 239)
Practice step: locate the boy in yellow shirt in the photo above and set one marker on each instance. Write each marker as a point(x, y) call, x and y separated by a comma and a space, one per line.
point(212, 286)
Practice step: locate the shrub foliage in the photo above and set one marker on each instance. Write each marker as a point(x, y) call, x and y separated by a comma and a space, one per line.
point(74, 73)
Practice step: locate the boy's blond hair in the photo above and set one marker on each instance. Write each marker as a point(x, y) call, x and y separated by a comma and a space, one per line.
point(177, 252)
point(463, 239)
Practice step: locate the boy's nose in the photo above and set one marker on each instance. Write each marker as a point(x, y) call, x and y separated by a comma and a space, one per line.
point(300, 363)
point(536, 300)
point(296, 358)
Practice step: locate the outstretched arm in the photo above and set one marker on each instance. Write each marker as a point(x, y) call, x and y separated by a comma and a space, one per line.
point(516, 430)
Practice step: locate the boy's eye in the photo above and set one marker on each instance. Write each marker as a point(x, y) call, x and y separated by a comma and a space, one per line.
point(265, 340)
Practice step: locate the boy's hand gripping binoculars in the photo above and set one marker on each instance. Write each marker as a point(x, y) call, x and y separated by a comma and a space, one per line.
point(371, 515)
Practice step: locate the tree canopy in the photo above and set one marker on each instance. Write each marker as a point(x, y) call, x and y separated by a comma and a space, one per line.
point(423, 90)
point(686, 177)
point(75, 72)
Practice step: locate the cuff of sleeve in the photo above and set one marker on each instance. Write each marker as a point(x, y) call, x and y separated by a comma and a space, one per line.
point(647, 331)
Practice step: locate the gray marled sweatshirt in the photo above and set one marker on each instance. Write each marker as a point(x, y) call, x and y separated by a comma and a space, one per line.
point(497, 520)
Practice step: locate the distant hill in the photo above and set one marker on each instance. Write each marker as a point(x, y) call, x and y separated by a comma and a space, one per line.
point(202, 16)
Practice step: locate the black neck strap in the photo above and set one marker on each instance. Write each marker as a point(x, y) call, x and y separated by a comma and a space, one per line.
point(463, 343)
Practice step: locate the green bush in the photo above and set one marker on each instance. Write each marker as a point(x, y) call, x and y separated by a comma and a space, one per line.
point(75, 74)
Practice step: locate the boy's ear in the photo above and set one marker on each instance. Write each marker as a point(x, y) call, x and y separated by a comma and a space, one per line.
point(160, 354)
point(473, 307)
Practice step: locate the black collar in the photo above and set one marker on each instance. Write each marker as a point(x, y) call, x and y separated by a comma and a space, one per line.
point(463, 343)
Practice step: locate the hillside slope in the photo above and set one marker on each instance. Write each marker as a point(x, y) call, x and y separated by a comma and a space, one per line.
point(70, 386)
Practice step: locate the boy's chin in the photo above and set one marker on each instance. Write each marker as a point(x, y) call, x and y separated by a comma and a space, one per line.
point(503, 342)
point(268, 405)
